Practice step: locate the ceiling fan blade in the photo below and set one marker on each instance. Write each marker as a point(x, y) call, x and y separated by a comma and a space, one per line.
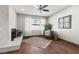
point(43, 6)
point(46, 10)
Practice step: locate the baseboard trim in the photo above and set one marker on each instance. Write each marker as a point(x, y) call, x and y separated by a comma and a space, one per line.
point(69, 42)
point(33, 36)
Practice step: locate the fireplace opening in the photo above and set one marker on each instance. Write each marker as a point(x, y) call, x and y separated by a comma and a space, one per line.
point(15, 33)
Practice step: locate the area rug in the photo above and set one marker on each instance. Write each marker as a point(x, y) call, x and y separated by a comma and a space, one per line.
point(38, 41)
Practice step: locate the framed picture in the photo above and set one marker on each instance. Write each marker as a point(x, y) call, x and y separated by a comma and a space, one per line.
point(65, 22)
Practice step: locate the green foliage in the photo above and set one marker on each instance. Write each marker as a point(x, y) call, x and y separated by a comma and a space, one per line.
point(48, 26)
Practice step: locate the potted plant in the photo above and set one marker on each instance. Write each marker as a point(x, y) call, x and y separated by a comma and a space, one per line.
point(47, 27)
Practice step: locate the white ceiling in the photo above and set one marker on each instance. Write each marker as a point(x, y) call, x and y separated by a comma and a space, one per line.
point(30, 10)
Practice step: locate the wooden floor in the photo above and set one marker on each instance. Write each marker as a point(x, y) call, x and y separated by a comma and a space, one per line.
point(56, 47)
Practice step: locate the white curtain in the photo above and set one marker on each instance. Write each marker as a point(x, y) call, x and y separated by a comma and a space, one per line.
point(31, 29)
point(28, 25)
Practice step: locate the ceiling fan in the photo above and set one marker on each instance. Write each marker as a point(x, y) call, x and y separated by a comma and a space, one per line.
point(42, 8)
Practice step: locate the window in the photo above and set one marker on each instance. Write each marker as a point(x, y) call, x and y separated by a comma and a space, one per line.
point(36, 22)
point(65, 22)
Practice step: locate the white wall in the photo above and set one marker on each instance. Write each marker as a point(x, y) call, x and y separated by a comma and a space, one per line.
point(12, 18)
point(72, 34)
point(4, 25)
point(21, 23)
